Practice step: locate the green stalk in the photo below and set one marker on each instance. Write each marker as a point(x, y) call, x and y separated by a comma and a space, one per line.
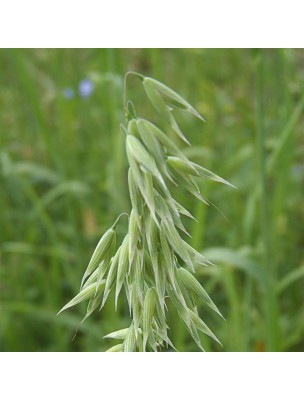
point(265, 222)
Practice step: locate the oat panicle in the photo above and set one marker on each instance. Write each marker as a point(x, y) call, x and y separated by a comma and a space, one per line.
point(153, 264)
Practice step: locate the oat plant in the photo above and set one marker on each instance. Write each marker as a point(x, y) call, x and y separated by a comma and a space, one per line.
point(153, 264)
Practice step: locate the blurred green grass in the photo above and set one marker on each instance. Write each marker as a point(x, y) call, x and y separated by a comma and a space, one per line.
point(63, 181)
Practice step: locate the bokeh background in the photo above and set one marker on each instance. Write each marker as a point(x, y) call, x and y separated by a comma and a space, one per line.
point(63, 181)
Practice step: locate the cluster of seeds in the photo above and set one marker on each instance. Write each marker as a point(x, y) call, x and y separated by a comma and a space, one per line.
point(153, 262)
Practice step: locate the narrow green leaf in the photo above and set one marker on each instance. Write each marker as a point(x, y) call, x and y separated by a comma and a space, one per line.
point(290, 278)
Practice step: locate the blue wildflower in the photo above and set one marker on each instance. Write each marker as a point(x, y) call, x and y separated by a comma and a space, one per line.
point(68, 93)
point(85, 88)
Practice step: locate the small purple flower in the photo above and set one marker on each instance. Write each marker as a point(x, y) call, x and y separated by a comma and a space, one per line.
point(68, 93)
point(85, 88)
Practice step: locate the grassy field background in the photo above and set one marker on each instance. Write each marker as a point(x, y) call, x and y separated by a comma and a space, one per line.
point(63, 181)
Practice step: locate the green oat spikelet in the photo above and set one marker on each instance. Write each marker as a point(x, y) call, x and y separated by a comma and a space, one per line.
point(172, 98)
point(115, 349)
point(88, 293)
point(193, 285)
point(161, 107)
point(105, 245)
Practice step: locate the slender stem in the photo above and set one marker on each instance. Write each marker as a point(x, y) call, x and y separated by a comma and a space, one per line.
point(125, 85)
point(118, 218)
point(270, 297)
